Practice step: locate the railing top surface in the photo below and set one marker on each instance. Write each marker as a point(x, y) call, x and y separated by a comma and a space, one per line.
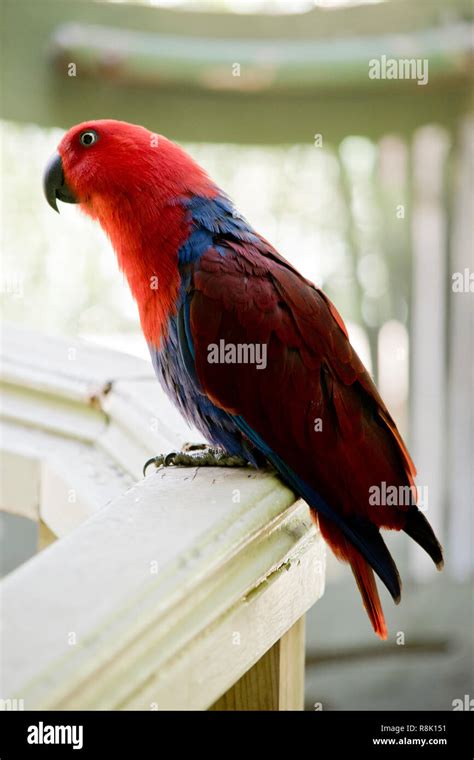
point(140, 599)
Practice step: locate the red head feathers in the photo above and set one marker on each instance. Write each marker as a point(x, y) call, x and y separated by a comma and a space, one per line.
point(130, 180)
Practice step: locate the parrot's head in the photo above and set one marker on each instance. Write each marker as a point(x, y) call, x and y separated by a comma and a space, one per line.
point(137, 185)
point(106, 164)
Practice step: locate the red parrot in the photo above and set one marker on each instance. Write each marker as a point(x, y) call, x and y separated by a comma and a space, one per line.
point(252, 353)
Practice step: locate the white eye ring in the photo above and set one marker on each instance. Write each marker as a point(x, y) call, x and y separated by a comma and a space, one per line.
point(88, 138)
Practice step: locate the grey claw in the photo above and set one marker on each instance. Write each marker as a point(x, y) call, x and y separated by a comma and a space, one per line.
point(147, 464)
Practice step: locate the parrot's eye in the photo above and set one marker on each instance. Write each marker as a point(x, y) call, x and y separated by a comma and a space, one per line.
point(88, 138)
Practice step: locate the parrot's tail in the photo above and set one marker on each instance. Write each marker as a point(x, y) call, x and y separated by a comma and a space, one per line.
point(419, 529)
point(365, 579)
point(363, 572)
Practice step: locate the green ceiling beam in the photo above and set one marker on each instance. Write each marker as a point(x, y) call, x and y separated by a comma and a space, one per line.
point(300, 74)
point(121, 56)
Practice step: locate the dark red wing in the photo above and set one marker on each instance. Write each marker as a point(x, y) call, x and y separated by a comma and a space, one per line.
point(314, 403)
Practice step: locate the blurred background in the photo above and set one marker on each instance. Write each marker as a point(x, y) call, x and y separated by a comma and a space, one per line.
point(366, 185)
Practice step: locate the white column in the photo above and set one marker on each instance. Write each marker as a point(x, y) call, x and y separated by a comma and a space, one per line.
point(461, 374)
point(428, 350)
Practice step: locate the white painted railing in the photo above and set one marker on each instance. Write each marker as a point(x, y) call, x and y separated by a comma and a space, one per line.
point(184, 590)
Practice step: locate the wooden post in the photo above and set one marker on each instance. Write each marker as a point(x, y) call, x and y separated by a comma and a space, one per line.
point(45, 536)
point(276, 681)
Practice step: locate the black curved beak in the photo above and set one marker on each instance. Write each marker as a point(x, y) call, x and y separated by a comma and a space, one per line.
point(54, 184)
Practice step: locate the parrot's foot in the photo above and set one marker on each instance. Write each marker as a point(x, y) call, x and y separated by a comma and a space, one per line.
point(196, 455)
